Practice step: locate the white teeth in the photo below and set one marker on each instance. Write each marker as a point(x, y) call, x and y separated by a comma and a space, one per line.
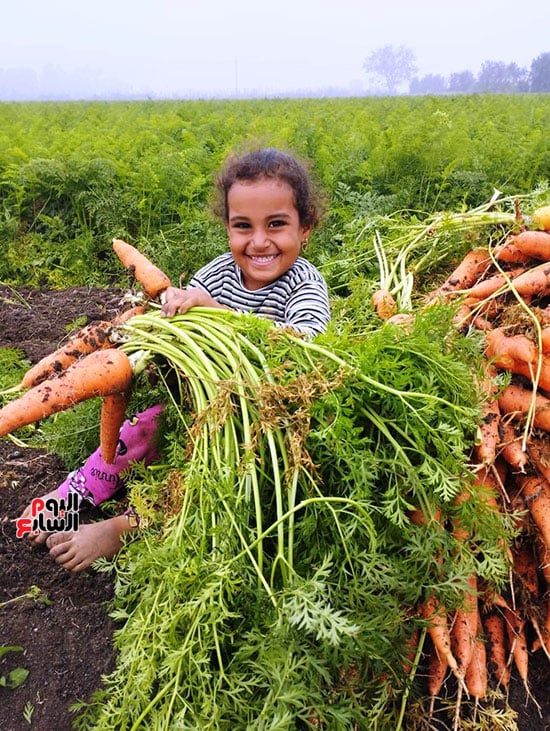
point(263, 258)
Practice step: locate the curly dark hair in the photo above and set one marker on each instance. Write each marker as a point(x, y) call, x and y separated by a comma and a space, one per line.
point(274, 164)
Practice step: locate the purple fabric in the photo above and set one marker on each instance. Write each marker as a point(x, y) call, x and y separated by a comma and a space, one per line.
point(97, 481)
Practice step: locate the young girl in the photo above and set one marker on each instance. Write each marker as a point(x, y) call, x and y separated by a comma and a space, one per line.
point(269, 209)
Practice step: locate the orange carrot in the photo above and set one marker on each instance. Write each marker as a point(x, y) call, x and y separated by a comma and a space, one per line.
point(464, 627)
point(463, 316)
point(535, 244)
point(511, 448)
point(509, 253)
point(486, 287)
point(94, 336)
point(466, 274)
point(437, 670)
point(438, 629)
point(113, 411)
point(525, 568)
point(384, 304)
point(152, 279)
point(98, 374)
point(545, 340)
point(517, 638)
point(532, 371)
point(127, 314)
point(476, 672)
point(486, 448)
point(533, 282)
point(517, 347)
point(516, 401)
point(495, 633)
point(536, 492)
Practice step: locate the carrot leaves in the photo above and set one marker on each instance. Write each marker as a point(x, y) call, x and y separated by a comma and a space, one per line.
point(275, 583)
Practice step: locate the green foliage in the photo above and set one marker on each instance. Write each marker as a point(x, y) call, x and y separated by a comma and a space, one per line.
point(12, 367)
point(275, 583)
point(75, 175)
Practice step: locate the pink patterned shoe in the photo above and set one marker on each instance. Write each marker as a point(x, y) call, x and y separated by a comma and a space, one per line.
point(97, 481)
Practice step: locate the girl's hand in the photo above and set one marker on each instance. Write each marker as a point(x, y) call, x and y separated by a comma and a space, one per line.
point(181, 300)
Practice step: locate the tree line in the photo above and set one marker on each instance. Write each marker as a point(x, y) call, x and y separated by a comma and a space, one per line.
point(390, 69)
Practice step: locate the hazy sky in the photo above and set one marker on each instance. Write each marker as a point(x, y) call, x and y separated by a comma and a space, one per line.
point(208, 47)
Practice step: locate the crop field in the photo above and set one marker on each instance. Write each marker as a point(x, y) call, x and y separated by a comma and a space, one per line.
point(326, 516)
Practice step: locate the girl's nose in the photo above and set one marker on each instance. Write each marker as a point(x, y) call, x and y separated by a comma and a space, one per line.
point(260, 238)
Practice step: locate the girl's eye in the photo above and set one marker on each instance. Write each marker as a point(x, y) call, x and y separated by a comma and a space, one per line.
point(241, 224)
point(277, 223)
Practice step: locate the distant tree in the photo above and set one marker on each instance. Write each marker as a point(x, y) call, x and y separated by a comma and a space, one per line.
point(497, 76)
point(429, 84)
point(391, 65)
point(540, 73)
point(462, 82)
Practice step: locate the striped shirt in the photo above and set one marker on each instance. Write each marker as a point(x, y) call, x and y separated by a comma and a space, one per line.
point(298, 298)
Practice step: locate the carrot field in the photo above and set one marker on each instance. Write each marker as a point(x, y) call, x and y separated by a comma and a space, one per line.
point(327, 515)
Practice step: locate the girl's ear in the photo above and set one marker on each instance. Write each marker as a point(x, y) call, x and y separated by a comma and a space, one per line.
point(306, 232)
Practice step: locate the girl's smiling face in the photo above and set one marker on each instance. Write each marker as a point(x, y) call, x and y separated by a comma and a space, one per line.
point(264, 229)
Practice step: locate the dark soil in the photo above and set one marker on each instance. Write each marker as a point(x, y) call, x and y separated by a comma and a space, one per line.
point(68, 641)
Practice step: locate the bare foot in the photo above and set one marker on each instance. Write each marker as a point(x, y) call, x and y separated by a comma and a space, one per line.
point(40, 538)
point(76, 551)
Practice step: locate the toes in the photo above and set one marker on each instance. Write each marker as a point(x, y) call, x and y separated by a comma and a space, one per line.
point(57, 539)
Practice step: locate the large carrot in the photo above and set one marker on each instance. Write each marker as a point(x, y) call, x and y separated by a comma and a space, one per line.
point(534, 282)
point(100, 373)
point(464, 627)
point(94, 336)
point(537, 371)
point(438, 629)
point(153, 280)
point(472, 266)
point(516, 400)
point(495, 632)
point(510, 254)
point(476, 672)
point(535, 244)
point(516, 347)
point(525, 568)
point(113, 411)
point(486, 287)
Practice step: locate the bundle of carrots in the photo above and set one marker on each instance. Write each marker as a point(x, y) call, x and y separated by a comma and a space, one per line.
point(87, 366)
point(504, 293)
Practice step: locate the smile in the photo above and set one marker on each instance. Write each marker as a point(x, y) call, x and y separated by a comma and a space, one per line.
point(263, 259)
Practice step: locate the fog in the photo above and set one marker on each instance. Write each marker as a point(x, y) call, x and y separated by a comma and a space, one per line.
point(176, 48)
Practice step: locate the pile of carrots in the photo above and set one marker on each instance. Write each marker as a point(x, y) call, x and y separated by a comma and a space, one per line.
point(503, 293)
